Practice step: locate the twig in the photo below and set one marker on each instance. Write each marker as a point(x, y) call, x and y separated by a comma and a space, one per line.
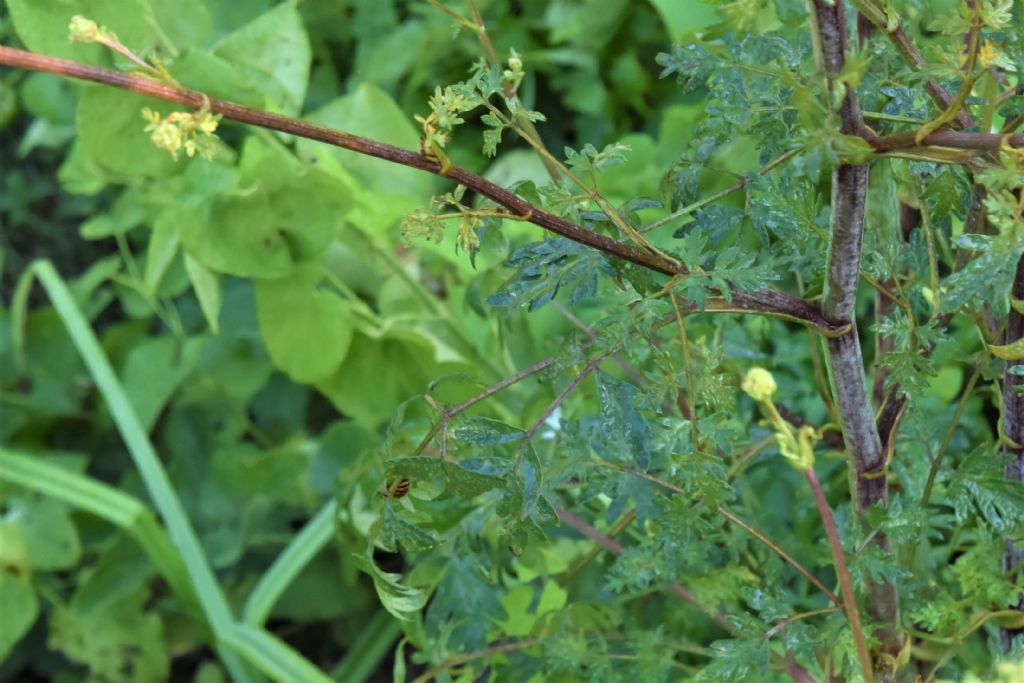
point(912, 55)
point(568, 389)
point(688, 368)
point(849, 384)
point(952, 139)
point(1013, 430)
point(613, 546)
point(615, 530)
point(472, 656)
point(725, 512)
point(763, 301)
point(448, 413)
point(739, 185)
point(953, 422)
point(631, 372)
point(849, 601)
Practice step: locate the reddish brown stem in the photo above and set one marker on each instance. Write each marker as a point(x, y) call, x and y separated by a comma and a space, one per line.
point(843, 572)
point(762, 300)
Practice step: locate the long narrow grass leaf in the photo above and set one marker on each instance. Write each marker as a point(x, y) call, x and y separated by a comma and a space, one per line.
point(306, 544)
point(120, 509)
point(211, 599)
point(272, 656)
point(374, 643)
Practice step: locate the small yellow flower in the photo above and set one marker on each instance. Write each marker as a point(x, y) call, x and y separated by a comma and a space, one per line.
point(164, 133)
point(192, 132)
point(989, 56)
point(759, 384)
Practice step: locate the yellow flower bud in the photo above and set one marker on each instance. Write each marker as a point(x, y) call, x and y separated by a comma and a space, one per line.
point(759, 384)
point(82, 30)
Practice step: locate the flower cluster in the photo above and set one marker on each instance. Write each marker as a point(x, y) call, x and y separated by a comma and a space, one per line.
point(191, 131)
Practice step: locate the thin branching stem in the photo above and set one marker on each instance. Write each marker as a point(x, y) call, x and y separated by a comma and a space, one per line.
point(739, 185)
point(616, 548)
point(448, 413)
point(562, 395)
point(849, 601)
point(891, 27)
point(691, 392)
point(753, 531)
point(950, 429)
point(764, 301)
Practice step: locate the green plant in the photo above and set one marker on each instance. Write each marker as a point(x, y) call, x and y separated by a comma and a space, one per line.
point(797, 193)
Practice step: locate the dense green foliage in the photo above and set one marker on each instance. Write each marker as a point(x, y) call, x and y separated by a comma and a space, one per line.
point(291, 334)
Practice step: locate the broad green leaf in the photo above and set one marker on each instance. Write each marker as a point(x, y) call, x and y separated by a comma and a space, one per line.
point(60, 483)
point(380, 372)
point(309, 204)
point(119, 571)
point(146, 27)
point(465, 483)
point(273, 51)
point(237, 235)
point(397, 533)
point(459, 481)
point(206, 285)
point(41, 532)
point(48, 98)
point(306, 326)
point(164, 243)
point(180, 24)
point(369, 111)
point(218, 77)
point(682, 18)
point(135, 206)
point(111, 131)
point(524, 610)
point(402, 601)
point(153, 370)
point(42, 25)
point(466, 599)
point(118, 642)
point(20, 607)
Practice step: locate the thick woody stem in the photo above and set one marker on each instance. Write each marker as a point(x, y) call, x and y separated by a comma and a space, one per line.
point(1013, 427)
point(760, 301)
point(849, 197)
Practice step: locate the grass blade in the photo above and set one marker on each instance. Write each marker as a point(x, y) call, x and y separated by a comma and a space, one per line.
point(306, 544)
point(272, 656)
point(211, 598)
point(120, 509)
point(369, 649)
